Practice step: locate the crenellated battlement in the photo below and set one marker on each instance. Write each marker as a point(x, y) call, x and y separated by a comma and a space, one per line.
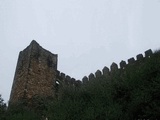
point(114, 67)
point(37, 74)
point(66, 80)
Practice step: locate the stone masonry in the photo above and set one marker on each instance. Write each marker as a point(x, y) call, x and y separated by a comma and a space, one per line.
point(35, 73)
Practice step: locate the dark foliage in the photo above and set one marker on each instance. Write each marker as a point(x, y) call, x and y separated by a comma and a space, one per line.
point(129, 94)
point(2, 108)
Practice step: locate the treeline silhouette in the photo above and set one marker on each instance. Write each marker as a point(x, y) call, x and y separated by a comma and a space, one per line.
point(126, 94)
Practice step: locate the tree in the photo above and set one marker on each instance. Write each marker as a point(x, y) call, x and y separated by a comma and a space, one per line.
point(2, 108)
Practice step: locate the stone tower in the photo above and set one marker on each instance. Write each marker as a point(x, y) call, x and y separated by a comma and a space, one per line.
point(35, 73)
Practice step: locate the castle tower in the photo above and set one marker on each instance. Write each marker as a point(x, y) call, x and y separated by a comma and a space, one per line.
point(35, 73)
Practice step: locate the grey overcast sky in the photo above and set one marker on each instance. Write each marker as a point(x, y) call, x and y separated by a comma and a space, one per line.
point(86, 34)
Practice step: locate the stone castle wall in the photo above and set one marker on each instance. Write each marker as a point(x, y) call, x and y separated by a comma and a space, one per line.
point(37, 74)
point(114, 67)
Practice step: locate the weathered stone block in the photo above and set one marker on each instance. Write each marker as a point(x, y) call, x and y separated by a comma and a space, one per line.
point(131, 60)
point(91, 76)
point(73, 81)
point(114, 67)
point(78, 83)
point(139, 57)
point(67, 80)
point(148, 53)
point(58, 73)
point(105, 71)
point(98, 73)
point(85, 80)
point(123, 64)
point(63, 76)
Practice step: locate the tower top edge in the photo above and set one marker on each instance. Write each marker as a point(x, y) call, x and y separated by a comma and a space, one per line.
point(34, 42)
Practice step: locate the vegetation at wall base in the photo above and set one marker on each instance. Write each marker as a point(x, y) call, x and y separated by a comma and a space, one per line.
point(128, 94)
